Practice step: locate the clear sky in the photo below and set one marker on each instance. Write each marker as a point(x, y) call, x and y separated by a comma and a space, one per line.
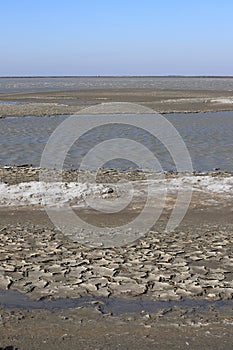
point(116, 37)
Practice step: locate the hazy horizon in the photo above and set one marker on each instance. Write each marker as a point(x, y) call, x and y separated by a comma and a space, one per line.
point(123, 38)
point(117, 76)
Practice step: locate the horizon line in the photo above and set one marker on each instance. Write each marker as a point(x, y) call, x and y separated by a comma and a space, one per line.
point(116, 76)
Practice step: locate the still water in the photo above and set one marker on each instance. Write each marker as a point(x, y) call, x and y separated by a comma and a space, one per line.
point(208, 138)
point(78, 83)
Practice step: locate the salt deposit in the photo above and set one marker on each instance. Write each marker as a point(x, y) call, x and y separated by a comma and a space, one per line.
point(57, 194)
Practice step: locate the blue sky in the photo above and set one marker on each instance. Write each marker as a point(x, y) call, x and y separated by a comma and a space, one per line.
point(116, 37)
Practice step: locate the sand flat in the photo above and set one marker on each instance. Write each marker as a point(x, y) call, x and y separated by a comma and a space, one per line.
point(71, 102)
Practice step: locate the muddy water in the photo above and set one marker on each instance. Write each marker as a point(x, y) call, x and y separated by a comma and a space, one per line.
point(115, 306)
point(208, 137)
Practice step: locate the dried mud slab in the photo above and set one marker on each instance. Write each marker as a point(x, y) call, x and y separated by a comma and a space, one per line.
point(41, 262)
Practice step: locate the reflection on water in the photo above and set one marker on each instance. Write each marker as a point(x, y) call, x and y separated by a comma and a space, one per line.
point(208, 137)
point(11, 103)
point(115, 306)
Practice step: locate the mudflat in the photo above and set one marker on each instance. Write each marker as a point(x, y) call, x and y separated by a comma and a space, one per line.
point(188, 271)
point(70, 102)
point(192, 263)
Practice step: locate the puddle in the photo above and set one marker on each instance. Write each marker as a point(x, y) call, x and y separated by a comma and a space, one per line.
point(115, 306)
point(12, 103)
point(80, 103)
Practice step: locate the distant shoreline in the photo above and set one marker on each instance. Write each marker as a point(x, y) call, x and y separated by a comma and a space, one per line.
point(119, 76)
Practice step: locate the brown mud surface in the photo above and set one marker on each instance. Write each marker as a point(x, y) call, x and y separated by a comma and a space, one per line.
point(194, 262)
point(37, 255)
point(71, 102)
point(88, 329)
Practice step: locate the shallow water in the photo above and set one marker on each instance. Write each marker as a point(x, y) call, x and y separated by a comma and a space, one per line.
point(208, 137)
point(12, 103)
point(77, 83)
point(116, 306)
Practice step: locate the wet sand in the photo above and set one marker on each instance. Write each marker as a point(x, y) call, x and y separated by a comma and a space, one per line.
point(71, 102)
point(87, 329)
